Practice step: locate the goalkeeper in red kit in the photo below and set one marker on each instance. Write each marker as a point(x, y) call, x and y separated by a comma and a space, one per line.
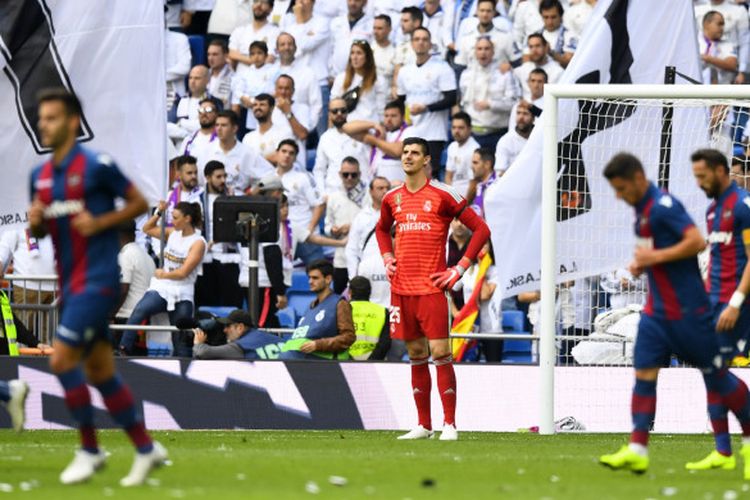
point(420, 212)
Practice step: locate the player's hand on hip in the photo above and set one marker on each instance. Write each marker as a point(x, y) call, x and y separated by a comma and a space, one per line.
point(727, 319)
point(446, 280)
point(85, 223)
point(390, 266)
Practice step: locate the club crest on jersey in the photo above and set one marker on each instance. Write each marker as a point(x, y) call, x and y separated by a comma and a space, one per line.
point(319, 317)
point(398, 202)
point(711, 216)
point(74, 180)
point(727, 214)
point(427, 206)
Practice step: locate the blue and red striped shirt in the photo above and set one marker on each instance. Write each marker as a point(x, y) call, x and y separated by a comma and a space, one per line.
point(728, 225)
point(84, 180)
point(675, 289)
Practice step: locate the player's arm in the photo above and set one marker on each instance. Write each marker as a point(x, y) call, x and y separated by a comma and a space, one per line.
point(194, 257)
point(445, 280)
point(730, 314)
point(385, 243)
point(691, 244)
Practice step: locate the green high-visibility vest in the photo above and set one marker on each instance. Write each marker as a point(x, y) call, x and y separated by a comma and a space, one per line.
point(369, 319)
point(8, 324)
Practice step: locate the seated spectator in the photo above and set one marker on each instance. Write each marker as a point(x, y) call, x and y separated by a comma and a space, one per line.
point(460, 151)
point(243, 340)
point(371, 324)
point(341, 208)
point(562, 42)
point(385, 141)
point(24, 338)
point(356, 84)
point(265, 139)
point(196, 144)
point(186, 117)
point(257, 30)
point(511, 144)
point(306, 89)
point(326, 329)
point(718, 58)
point(256, 78)
point(538, 58)
point(506, 50)
point(487, 95)
point(136, 270)
point(220, 77)
point(333, 147)
point(243, 166)
point(362, 253)
point(346, 30)
point(293, 115)
point(172, 288)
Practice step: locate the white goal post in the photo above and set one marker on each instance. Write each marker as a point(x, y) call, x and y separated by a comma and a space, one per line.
point(657, 95)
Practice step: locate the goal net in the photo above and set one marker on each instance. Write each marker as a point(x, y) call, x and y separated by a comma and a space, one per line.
point(594, 316)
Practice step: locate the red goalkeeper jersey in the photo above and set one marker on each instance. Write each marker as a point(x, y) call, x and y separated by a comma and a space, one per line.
point(422, 221)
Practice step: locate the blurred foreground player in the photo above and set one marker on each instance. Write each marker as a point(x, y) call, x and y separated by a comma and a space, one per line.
point(677, 317)
point(728, 224)
point(73, 199)
point(422, 211)
point(13, 398)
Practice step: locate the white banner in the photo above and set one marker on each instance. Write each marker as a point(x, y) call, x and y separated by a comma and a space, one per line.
point(624, 42)
point(111, 55)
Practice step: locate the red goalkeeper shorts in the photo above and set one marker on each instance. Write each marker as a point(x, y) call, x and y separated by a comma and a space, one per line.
point(417, 316)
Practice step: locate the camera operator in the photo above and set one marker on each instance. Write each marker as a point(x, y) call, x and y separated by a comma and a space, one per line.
point(243, 340)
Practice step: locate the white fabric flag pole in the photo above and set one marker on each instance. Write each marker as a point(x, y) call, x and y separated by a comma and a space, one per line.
point(624, 42)
point(112, 58)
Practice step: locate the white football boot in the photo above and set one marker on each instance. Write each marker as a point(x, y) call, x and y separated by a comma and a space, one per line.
point(16, 405)
point(418, 432)
point(143, 464)
point(83, 466)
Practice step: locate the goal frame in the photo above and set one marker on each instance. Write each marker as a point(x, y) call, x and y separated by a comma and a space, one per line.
point(552, 95)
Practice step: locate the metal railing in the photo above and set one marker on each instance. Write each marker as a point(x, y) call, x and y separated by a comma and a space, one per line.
point(37, 308)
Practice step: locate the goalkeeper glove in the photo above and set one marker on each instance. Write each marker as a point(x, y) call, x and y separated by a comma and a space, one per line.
point(447, 279)
point(390, 266)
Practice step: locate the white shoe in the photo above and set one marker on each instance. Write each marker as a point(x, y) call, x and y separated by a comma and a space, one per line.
point(143, 464)
point(449, 433)
point(83, 466)
point(418, 432)
point(16, 405)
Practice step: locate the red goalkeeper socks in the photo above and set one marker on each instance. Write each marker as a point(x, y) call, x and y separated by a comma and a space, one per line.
point(446, 379)
point(421, 384)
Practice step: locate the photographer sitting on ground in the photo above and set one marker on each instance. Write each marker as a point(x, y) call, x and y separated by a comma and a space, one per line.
point(243, 340)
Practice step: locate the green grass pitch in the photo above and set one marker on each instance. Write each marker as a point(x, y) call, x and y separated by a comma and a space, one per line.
point(300, 464)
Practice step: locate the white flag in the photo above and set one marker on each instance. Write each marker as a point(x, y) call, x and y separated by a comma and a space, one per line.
point(111, 55)
point(624, 42)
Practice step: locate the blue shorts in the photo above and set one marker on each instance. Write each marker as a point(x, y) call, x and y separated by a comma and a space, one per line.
point(692, 339)
point(729, 342)
point(84, 318)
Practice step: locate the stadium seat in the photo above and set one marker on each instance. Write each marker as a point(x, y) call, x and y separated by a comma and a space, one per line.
point(218, 311)
point(515, 351)
point(197, 49)
point(299, 302)
point(299, 282)
point(287, 317)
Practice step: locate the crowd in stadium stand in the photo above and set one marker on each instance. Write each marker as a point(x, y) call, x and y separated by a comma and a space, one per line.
point(308, 101)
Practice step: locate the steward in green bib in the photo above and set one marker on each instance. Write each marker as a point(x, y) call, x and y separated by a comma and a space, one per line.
point(325, 330)
point(13, 331)
point(371, 325)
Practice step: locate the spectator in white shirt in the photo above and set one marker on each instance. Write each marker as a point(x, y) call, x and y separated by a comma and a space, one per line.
point(265, 139)
point(505, 49)
point(578, 15)
point(185, 187)
point(217, 285)
point(228, 15)
point(487, 95)
point(428, 87)
point(293, 115)
point(196, 144)
point(384, 53)
point(357, 83)
point(259, 30)
point(513, 142)
point(177, 59)
point(306, 87)
point(562, 42)
point(194, 16)
point(186, 117)
point(538, 58)
point(220, 78)
point(341, 208)
point(458, 165)
point(136, 270)
point(434, 19)
point(243, 166)
point(385, 141)
point(536, 81)
point(346, 29)
point(334, 145)
point(526, 20)
point(362, 228)
point(257, 78)
point(718, 58)
point(411, 19)
point(736, 30)
point(306, 207)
